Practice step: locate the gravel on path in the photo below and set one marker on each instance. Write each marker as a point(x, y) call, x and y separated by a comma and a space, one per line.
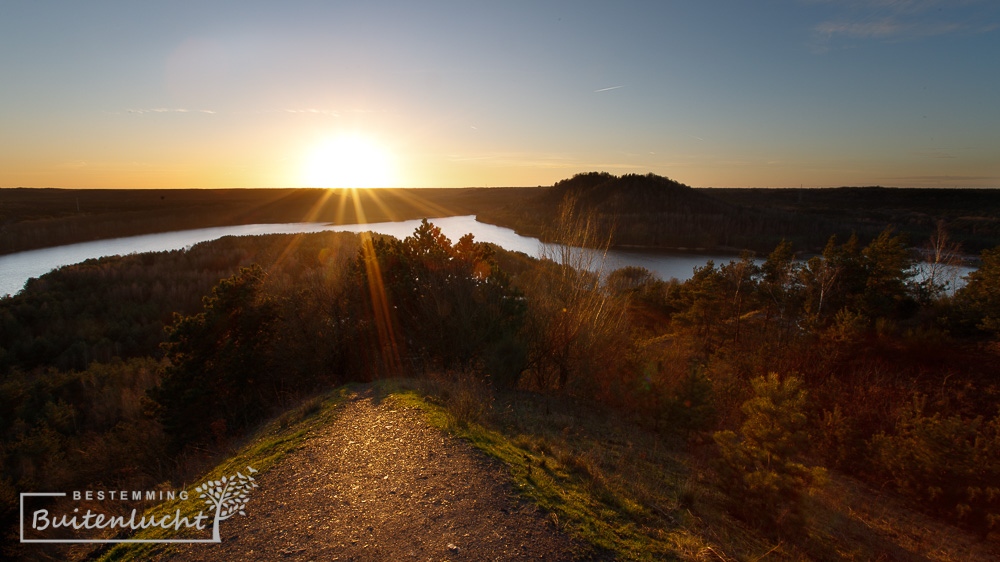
point(380, 483)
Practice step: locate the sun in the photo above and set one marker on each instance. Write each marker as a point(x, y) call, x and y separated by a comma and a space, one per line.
point(354, 161)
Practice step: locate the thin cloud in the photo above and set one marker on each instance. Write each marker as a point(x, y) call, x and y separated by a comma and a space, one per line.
point(314, 111)
point(168, 110)
point(937, 154)
point(902, 7)
point(518, 159)
point(896, 21)
point(946, 178)
point(866, 30)
point(943, 181)
point(609, 89)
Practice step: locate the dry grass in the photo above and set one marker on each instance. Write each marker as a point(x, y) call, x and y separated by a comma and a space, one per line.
point(886, 524)
point(644, 495)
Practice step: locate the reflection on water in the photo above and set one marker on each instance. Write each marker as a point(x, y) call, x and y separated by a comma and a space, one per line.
point(666, 265)
point(16, 269)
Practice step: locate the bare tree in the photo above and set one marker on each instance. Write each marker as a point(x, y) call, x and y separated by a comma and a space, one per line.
point(574, 312)
point(819, 277)
point(939, 272)
point(739, 278)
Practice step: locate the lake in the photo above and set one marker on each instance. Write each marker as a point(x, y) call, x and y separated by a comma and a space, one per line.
point(16, 269)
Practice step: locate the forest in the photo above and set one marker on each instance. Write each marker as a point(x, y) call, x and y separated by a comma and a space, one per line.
point(656, 212)
point(33, 218)
point(649, 211)
point(127, 372)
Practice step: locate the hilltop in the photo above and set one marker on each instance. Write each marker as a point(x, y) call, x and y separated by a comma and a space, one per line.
point(384, 471)
point(657, 212)
point(639, 210)
point(375, 480)
point(650, 211)
point(627, 411)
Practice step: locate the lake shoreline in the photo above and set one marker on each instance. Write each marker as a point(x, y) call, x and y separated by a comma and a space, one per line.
point(17, 268)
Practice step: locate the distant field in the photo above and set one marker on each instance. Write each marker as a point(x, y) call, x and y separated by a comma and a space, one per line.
point(695, 217)
point(38, 218)
point(971, 216)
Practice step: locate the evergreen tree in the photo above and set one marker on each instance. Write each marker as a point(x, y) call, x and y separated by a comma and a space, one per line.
point(761, 467)
point(979, 300)
point(220, 362)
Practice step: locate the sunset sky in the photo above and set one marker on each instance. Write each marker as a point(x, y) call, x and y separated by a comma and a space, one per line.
point(774, 93)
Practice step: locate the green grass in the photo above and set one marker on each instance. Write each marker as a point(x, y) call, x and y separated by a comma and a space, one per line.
point(633, 493)
point(574, 486)
point(612, 483)
point(265, 448)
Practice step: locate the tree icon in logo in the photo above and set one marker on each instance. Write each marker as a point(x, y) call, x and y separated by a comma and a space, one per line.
point(228, 496)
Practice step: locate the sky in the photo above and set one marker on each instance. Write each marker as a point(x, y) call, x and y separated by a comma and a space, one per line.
point(711, 93)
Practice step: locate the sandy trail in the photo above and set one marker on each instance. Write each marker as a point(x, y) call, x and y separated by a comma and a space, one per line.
point(379, 483)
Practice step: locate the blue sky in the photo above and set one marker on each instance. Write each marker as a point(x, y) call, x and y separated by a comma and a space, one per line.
point(710, 93)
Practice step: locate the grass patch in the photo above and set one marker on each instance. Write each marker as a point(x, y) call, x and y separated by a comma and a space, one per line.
point(575, 488)
point(629, 492)
point(266, 447)
point(641, 495)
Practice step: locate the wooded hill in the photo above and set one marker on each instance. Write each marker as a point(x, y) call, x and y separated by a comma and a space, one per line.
point(658, 212)
point(647, 210)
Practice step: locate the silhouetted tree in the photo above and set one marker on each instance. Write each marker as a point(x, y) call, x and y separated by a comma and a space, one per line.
point(887, 269)
point(436, 303)
point(220, 362)
point(780, 286)
point(979, 299)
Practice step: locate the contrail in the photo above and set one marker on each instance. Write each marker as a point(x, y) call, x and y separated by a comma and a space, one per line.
point(606, 89)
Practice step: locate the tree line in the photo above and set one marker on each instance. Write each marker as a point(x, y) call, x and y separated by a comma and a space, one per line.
point(658, 212)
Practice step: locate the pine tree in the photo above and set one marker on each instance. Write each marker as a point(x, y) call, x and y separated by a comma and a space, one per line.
point(760, 467)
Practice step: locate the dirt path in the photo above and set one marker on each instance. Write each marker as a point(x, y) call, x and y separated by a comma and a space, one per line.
point(379, 483)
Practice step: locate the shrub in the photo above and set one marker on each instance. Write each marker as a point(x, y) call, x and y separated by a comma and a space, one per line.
point(691, 407)
point(978, 302)
point(951, 465)
point(760, 467)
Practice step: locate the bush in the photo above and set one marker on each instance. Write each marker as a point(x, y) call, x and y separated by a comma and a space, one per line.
point(760, 468)
point(951, 465)
point(691, 406)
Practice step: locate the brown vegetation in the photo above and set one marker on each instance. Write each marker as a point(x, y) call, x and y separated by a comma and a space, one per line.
point(843, 362)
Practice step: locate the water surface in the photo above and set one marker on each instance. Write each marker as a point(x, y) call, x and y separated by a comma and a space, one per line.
point(16, 269)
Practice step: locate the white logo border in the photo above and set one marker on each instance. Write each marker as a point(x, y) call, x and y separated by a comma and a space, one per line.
point(81, 541)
